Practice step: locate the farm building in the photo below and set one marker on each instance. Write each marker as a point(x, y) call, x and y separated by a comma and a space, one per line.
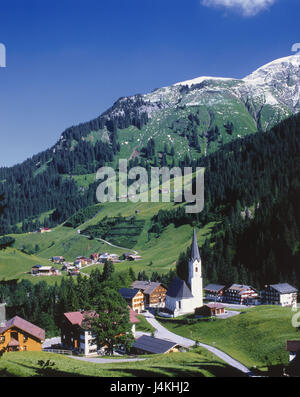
point(39, 270)
point(149, 345)
point(58, 259)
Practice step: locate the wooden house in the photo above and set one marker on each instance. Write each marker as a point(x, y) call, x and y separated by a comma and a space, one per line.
point(214, 291)
point(134, 297)
point(155, 293)
point(18, 334)
point(210, 310)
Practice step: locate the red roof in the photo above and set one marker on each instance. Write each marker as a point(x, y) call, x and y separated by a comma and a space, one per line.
point(24, 325)
point(76, 318)
point(213, 305)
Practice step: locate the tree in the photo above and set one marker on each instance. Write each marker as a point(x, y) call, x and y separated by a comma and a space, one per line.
point(112, 324)
point(182, 267)
point(108, 271)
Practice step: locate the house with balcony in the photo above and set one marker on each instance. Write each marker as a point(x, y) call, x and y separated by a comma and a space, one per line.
point(154, 293)
point(77, 334)
point(134, 298)
point(282, 294)
point(18, 334)
point(241, 295)
point(214, 292)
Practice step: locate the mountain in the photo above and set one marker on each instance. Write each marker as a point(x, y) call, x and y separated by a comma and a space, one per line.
point(200, 115)
point(173, 125)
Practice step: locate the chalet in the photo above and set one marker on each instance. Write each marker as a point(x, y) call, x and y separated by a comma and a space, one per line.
point(45, 230)
point(39, 270)
point(81, 260)
point(241, 295)
point(134, 297)
point(282, 294)
point(149, 345)
point(58, 259)
point(18, 334)
point(77, 335)
point(95, 257)
point(210, 310)
point(114, 258)
point(155, 293)
point(103, 257)
point(134, 258)
point(73, 272)
point(214, 291)
point(67, 266)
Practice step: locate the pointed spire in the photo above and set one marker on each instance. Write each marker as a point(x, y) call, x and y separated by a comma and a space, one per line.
point(195, 249)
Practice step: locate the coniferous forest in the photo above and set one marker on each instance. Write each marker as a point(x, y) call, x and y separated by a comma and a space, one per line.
point(252, 189)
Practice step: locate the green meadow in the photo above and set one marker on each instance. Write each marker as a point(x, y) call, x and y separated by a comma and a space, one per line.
point(195, 363)
point(256, 338)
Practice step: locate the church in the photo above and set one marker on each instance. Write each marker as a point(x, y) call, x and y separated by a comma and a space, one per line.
point(182, 298)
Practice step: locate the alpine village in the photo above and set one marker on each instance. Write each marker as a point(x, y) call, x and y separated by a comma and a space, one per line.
point(146, 288)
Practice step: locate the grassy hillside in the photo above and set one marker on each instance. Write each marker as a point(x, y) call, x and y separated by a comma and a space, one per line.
point(14, 264)
point(158, 254)
point(198, 362)
point(256, 338)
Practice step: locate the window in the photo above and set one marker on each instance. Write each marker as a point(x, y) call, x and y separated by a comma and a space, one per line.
point(25, 338)
point(2, 339)
point(24, 348)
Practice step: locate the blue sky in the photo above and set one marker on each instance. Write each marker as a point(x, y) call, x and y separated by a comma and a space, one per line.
point(69, 60)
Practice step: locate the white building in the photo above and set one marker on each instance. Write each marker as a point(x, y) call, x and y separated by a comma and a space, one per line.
point(181, 298)
point(282, 294)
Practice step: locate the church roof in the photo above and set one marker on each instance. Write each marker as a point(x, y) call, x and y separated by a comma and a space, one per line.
point(195, 249)
point(179, 289)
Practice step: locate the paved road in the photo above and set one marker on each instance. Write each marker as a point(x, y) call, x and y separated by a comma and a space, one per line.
point(112, 245)
point(163, 333)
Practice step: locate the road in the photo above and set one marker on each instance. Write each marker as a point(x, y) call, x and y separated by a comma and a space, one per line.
point(112, 245)
point(163, 333)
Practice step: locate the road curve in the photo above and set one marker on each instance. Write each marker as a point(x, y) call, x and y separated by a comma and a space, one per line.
point(163, 333)
point(112, 245)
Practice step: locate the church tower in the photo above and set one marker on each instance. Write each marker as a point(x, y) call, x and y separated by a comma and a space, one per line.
point(195, 273)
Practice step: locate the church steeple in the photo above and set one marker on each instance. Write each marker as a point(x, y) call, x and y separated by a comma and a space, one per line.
point(195, 255)
point(195, 273)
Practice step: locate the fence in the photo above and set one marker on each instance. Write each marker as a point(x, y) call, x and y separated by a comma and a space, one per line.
point(58, 351)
